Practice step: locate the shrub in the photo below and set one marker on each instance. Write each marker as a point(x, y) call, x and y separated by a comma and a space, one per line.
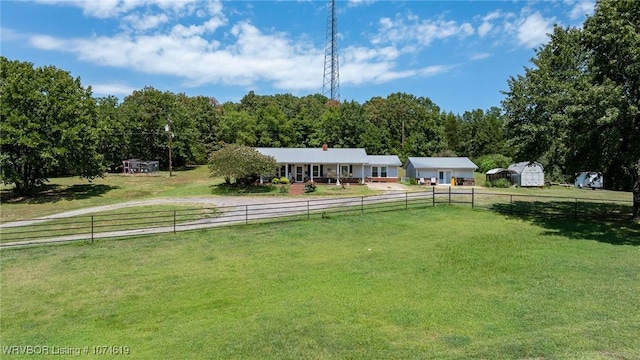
point(309, 187)
point(492, 161)
point(500, 183)
point(275, 181)
point(284, 189)
point(284, 180)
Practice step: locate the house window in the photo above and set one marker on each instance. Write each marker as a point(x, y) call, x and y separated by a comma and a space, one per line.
point(383, 171)
point(281, 171)
point(344, 171)
point(374, 171)
point(316, 171)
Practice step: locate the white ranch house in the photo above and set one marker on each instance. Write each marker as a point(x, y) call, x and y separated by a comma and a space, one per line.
point(326, 165)
point(441, 170)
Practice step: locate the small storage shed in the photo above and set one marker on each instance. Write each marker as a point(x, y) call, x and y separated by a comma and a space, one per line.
point(499, 173)
point(589, 179)
point(527, 174)
point(440, 170)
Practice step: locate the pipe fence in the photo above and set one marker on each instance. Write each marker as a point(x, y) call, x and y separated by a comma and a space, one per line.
point(99, 226)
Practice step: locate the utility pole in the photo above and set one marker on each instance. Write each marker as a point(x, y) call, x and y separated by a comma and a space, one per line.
point(167, 128)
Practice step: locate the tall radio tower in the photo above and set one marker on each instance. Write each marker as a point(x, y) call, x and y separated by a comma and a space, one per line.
point(331, 79)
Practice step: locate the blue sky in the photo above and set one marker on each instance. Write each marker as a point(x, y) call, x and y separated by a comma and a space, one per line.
point(457, 53)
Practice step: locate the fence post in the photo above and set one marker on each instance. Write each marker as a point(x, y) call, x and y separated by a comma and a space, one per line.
point(406, 201)
point(510, 199)
point(433, 197)
point(362, 204)
point(91, 228)
point(174, 221)
point(449, 195)
point(473, 195)
point(308, 211)
point(246, 214)
point(575, 210)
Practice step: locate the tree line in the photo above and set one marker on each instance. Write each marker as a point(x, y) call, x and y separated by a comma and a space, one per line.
point(576, 109)
point(51, 126)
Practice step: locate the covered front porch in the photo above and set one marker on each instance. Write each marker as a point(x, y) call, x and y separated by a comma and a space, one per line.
point(322, 173)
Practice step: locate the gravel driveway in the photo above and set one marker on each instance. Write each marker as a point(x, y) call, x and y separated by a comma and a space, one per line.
point(387, 186)
point(236, 209)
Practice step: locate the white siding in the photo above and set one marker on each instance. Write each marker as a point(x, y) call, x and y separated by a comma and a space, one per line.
point(392, 171)
point(532, 175)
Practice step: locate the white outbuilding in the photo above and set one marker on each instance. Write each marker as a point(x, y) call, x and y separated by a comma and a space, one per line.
point(527, 174)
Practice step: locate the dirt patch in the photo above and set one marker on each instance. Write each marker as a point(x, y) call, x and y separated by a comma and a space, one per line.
point(387, 187)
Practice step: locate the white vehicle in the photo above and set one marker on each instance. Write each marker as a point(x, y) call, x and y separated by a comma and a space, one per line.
point(589, 179)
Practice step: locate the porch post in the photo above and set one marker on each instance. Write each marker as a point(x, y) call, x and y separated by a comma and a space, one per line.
point(362, 174)
point(286, 170)
point(311, 173)
point(338, 170)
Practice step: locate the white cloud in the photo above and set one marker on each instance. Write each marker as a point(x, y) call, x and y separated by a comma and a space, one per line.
point(532, 30)
point(209, 26)
point(581, 9)
point(492, 16)
point(112, 89)
point(112, 8)
point(354, 3)
point(484, 29)
point(253, 57)
point(243, 55)
point(422, 32)
point(480, 56)
point(435, 70)
point(146, 22)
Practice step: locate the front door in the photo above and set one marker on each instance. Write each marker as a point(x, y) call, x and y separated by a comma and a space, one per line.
point(298, 173)
point(444, 177)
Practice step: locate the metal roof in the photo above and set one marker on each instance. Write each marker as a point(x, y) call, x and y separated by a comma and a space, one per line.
point(316, 155)
point(499, 170)
point(384, 160)
point(441, 163)
point(518, 167)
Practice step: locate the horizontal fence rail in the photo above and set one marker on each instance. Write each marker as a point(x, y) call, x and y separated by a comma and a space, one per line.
point(98, 226)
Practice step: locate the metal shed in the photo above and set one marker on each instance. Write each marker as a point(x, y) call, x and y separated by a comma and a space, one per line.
point(500, 173)
point(527, 174)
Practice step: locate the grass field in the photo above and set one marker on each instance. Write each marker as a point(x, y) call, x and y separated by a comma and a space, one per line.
point(442, 282)
point(64, 194)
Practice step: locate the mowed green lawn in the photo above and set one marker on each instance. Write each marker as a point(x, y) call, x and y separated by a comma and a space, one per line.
point(442, 282)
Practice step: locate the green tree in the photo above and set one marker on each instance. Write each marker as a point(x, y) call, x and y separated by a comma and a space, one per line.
point(612, 40)
point(113, 143)
point(538, 104)
point(204, 114)
point(48, 126)
point(578, 108)
point(147, 113)
point(376, 138)
point(237, 126)
point(452, 131)
point(238, 163)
